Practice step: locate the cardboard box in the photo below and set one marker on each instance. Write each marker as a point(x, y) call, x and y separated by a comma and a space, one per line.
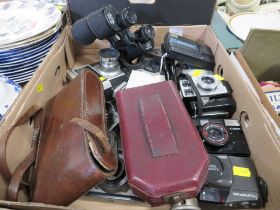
point(51, 76)
point(259, 60)
point(260, 95)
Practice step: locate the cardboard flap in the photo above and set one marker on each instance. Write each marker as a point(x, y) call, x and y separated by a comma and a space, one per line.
point(161, 12)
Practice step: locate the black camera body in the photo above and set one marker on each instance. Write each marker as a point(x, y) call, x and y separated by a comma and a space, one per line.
point(206, 95)
point(223, 136)
point(188, 52)
point(233, 182)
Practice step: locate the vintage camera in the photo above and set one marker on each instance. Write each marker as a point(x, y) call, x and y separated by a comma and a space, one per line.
point(233, 182)
point(206, 95)
point(109, 71)
point(223, 136)
point(188, 52)
point(108, 23)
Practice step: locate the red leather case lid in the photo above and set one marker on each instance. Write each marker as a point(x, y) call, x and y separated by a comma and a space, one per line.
point(163, 151)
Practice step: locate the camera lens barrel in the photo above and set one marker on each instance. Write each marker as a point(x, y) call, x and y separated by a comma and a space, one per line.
point(215, 134)
point(207, 82)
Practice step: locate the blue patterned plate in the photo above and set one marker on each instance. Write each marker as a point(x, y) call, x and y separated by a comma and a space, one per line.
point(9, 90)
point(21, 53)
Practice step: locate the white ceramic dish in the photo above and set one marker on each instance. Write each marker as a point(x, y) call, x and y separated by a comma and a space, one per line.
point(9, 90)
point(21, 20)
point(241, 24)
point(270, 7)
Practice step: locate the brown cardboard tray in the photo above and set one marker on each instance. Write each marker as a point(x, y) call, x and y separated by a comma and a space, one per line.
point(264, 100)
point(51, 76)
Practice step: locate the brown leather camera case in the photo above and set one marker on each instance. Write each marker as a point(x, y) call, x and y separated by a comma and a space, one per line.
point(73, 152)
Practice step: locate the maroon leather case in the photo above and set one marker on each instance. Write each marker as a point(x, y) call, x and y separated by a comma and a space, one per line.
point(164, 155)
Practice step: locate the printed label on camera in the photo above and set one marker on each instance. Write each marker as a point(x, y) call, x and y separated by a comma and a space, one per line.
point(241, 171)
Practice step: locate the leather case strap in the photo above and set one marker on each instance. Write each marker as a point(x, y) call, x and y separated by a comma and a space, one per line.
point(95, 131)
point(16, 178)
point(101, 155)
point(4, 169)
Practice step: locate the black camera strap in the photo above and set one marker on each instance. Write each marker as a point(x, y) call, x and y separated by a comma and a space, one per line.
point(198, 96)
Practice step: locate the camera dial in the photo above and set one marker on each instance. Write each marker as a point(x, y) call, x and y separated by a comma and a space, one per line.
point(207, 82)
point(215, 134)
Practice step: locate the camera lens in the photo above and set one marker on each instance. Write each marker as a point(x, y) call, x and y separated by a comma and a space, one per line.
point(215, 134)
point(128, 17)
point(207, 82)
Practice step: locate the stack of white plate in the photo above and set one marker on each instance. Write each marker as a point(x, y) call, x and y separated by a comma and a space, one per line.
point(28, 30)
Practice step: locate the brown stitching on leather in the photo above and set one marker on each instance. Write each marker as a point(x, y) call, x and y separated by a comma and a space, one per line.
point(83, 111)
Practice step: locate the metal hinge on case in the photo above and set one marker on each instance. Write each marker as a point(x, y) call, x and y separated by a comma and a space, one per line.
point(175, 198)
point(188, 204)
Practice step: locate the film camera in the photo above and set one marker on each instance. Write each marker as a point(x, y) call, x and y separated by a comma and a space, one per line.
point(108, 69)
point(223, 136)
point(233, 182)
point(188, 52)
point(206, 95)
point(108, 23)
